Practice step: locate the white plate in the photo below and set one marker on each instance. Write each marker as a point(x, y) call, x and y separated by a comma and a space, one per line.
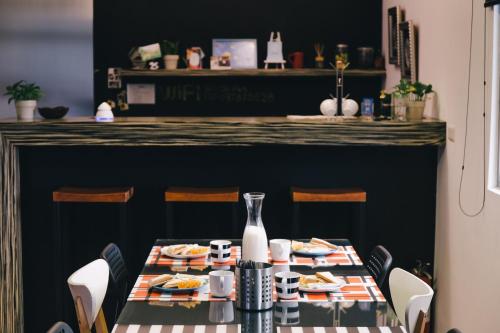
point(164, 251)
point(329, 287)
point(315, 253)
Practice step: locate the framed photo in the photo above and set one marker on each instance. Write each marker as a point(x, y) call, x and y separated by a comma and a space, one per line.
point(242, 52)
point(395, 17)
point(408, 51)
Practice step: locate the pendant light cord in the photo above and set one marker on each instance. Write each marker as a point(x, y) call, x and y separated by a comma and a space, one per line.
point(462, 209)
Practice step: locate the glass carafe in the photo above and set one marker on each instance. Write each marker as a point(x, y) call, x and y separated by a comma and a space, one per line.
point(254, 238)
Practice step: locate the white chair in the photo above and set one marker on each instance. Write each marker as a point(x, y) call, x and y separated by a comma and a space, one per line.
point(88, 287)
point(411, 298)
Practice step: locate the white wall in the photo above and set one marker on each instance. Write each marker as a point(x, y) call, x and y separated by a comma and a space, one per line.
point(48, 42)
point(467, 264)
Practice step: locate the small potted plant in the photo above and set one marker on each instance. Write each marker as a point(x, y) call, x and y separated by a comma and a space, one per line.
point(170, 51)
point(421, 271)
point(400, 99)
point(25, 96)
point(416, 101)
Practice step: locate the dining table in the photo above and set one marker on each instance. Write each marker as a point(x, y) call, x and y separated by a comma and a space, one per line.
point(359, 306)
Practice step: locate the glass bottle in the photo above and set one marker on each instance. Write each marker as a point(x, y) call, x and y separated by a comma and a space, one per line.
point(254, 237)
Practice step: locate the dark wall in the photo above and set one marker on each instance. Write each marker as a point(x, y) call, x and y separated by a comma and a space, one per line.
point(121, 25)
point(400, 208)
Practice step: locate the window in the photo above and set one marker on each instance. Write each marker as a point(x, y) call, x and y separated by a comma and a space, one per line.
point(494, 163)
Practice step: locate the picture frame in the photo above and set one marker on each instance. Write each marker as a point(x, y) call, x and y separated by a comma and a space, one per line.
point(243, 52)
point(394, 19)
point(408, 51)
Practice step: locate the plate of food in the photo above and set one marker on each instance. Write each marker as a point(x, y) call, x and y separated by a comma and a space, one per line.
point(177, 283)
point(314, 248)
point(320, 282)
point(185, 251)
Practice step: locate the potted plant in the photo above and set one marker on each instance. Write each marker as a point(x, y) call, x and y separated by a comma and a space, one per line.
point(421, 271)
point(416, 101)
point(400, 99)
point(170, 51)
point(25, 96)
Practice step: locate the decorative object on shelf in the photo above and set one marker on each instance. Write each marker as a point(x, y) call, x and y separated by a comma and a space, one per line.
point(430, 110)
point(254, 243)
point(275, 51)
point(340, 66)
point(121, 99)
point(136, 59)
point(25, 95)
point(349, 107)
point(379, 62)
point(243, 51)
point(194, 56)
point(150, 52)
point(342, 53)
point(153, 65)
point(408, 51)
point(421, 271)
point(394, 18)
point(114, 79)
point(221, 62)
point(319, 60)
point(170, 52)
point(104, 113)
point(57, 112)
point(367, 107)
point(328, 107)
point(365, 57)
point(400, 100)
point(296, 59)
point(416, 100)
point(385, 105)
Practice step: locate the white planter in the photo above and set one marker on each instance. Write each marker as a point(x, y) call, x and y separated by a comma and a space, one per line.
point(25, 110)
point(415, 110)
point(171, 61)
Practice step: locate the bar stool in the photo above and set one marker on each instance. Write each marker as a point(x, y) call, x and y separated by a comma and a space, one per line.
point(337, 195)
point(195, 194)
point(119, 196)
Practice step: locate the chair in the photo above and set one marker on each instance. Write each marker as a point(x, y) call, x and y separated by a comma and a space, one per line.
point(411, 298)
point(378, 264)
point(196, 194)
point(355, 196)
point(119, 196)
point(60, 327)
point(88, 287)
point(118, 275)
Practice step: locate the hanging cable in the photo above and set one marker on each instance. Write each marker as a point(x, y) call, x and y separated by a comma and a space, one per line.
point(462, 209)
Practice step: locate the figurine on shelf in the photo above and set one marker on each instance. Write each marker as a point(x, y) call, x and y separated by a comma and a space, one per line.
point(275, 51)
point(319, 60)
point(194, 56)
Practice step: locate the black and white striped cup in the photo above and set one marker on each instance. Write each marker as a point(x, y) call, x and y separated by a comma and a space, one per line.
point(220, 250)
point(287, 284)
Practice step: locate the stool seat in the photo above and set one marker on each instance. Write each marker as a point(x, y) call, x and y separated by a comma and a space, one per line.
point(192, 194)
point(95, 195)
point(328, 195)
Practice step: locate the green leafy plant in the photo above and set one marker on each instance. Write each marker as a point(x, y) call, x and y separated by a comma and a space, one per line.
point(420, 89)
point(169, 48)
point(403, 88)
point(23, 91)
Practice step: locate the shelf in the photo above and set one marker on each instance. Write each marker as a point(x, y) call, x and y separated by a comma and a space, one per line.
point(306, 72)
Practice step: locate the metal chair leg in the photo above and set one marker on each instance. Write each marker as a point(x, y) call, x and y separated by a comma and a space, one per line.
point(123, 208)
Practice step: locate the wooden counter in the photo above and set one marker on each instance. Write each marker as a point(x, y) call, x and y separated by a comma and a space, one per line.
point(174, 132)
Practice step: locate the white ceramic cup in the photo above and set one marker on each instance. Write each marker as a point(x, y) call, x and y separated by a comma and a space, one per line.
point(287, 284)
point(280, 249)
point(221, 283)
point(221, 312)
point(220, 250)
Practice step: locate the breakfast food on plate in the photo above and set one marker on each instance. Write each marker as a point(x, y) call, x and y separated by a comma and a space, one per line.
point(160, 280)
point(314, 245)
point(180, 281)
point(319, 280)
point(186, 250)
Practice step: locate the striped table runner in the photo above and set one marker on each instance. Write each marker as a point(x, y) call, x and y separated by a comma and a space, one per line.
point(345, 256)
point(357, 288)
point(237, 329)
